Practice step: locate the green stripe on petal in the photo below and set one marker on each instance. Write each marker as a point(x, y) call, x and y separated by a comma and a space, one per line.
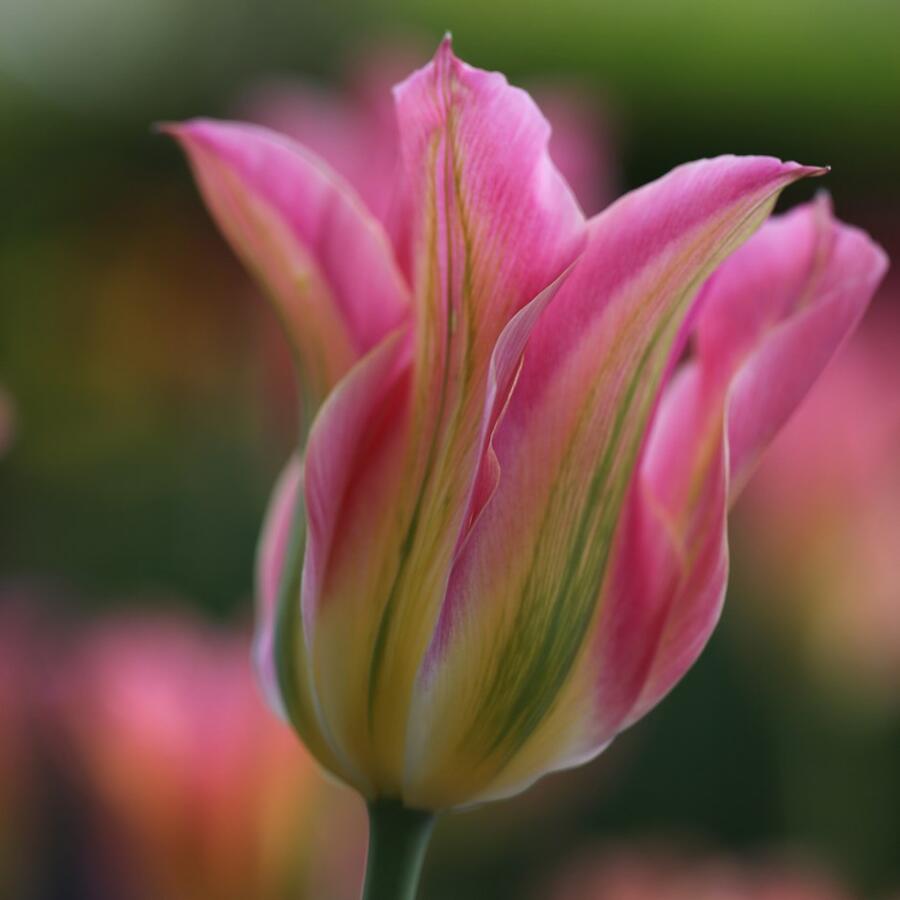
point(527, 591)
point(493, 226)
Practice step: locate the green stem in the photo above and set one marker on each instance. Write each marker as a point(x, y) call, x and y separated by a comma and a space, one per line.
point(398, 839)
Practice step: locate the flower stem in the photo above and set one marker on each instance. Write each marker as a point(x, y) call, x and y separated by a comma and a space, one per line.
point(398, 839)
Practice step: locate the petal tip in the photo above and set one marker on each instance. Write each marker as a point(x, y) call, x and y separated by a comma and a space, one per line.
point(178, 131)
point(444, 57)
point(811, 171)
point(794, 170)
point(181, 131)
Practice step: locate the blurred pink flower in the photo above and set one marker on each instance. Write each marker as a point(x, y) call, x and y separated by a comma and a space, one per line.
point(637, 874)
point(204, 793)
point(20, 663)
point(511, 512)
point(7, 420)
point(820, 527)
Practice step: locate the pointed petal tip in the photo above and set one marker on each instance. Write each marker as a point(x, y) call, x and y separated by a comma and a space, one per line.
point(209, 130)
point(443, 58)
point(803, 171)
point(180, 131)
point(444, 55)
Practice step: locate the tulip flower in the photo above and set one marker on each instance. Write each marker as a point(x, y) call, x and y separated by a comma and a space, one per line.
point(507, 541)
point(821, 527)
point(207, 795)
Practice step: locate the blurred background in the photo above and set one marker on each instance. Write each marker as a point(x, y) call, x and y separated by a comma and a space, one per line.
point(145, 410)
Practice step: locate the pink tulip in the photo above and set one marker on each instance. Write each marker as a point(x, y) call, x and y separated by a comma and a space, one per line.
point(821, 524)
point(632, 874)
point(203, 793)
point(512, 533)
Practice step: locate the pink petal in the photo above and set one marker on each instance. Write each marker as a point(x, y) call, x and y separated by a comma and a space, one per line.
point(525, 589)
point(494, 221)
point(494, 229)
point(325, 261)
point(358, 420)
point(272, 555)
point(366, 409)
point(280, 651)
point(773, 317)
point(766, 392)
point(355, 131)
point(354, 472)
